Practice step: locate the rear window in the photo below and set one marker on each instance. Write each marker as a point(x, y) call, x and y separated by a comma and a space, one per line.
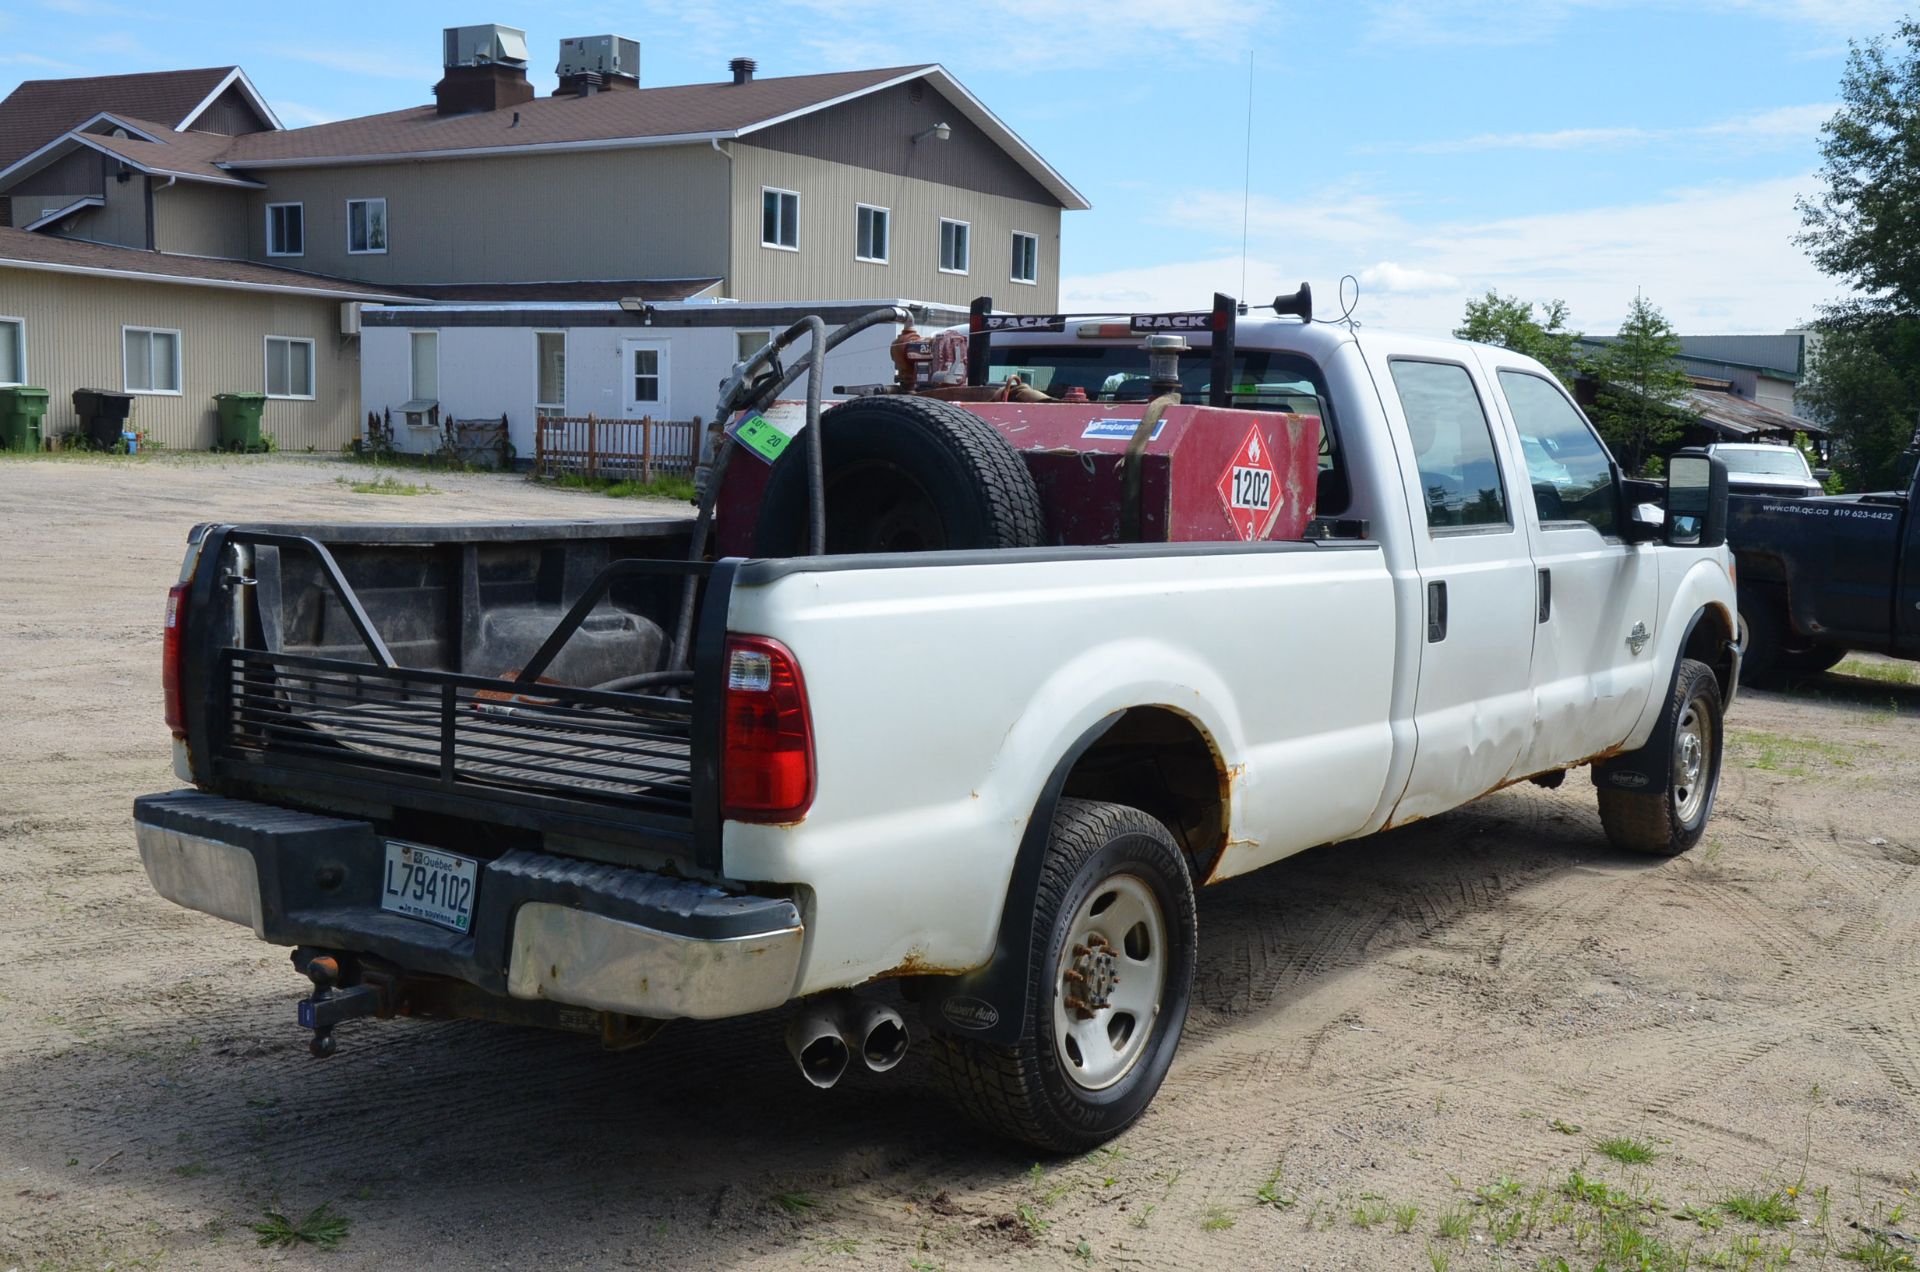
point(1263, 380)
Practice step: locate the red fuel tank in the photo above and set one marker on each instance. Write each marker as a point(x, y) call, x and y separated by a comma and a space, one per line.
point(1207, 474)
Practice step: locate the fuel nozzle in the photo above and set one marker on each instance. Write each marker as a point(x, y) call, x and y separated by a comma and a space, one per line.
point(1163, 361)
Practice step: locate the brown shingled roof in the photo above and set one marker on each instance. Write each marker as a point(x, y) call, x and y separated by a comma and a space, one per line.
point(40, 110)
point(680, 110)
point(186, 154)
point(21, 250)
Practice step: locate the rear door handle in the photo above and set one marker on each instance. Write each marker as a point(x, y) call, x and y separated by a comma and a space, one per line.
point(1436, 611)
point(1546, 595)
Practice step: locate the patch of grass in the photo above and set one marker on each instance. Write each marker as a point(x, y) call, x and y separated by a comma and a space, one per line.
point(1144, 1216)
point(1030, 1220)
point(658, 488)
point(1565, 1128)
point(1888, 672)
point(1501, 1192)
point(321, 1228)
point(1627, 1150)
point(1770, 1210)
point(1269, 1193)
point(1785, 753)
point(1216, 1219)
point(1878, 1253)
point(795, 1203)
point(1456, 1223)
point(386, 484)
point(1404, 1217)
point(1367, 1214)
point(1707, 1217)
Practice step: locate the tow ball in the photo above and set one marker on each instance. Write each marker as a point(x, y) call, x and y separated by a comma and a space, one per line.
point(330, 1003)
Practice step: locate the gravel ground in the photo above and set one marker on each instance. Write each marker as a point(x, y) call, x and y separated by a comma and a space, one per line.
point(1425, 1050)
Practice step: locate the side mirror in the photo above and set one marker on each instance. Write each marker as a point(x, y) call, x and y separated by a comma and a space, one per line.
point(1823, 475)
point(1696, 500)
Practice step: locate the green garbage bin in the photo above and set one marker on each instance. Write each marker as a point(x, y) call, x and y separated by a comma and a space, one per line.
point(22, 408)
point(240, 420)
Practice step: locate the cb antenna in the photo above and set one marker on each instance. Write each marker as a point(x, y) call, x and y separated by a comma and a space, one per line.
point(1246, 178)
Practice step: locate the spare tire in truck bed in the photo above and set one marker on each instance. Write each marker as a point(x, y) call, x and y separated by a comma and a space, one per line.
point(903, 474)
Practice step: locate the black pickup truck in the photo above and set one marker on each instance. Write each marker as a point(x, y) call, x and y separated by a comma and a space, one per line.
point(1825, 575)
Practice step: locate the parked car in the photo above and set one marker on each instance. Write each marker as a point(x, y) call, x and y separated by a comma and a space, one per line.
point(1822, 576)
point(1761, 468)
point(465, 770)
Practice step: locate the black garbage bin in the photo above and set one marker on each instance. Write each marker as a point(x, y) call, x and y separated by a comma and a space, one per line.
point(103, 415)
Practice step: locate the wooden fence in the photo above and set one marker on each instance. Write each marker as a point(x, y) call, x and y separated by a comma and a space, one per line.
point(626, 450)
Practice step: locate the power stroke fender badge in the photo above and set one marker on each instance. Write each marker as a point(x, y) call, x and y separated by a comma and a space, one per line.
point(970, 1013)
point(1637, 638)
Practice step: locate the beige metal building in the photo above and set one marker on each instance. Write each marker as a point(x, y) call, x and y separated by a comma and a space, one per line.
point(173, 332)
point(808, 188)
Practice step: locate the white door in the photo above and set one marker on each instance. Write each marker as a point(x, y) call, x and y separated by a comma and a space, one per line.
point(1473, 706)
point(1597, 596)
point(645, 386)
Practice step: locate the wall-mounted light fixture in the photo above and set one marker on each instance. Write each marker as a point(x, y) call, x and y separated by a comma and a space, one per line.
point(939, 132)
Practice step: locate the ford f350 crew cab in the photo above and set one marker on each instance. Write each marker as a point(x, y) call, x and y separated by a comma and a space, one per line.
point(500, 771)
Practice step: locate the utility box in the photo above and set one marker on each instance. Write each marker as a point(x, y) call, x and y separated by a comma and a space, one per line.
point(22, 409)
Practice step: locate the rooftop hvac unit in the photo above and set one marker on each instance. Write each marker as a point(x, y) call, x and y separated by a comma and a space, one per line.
point(599, 54)
point(489, 44)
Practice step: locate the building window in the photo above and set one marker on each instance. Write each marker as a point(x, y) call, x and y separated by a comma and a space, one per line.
point(289, 367)
point(13, 351)
point(953, 246)
point(779, 219)
point(748, 343)
point(870, 233)
point(1026, 258)
point(151, 360)
point(550, 360)
point(423, 384)
point(646, 375)
point(286, 229)
point(366, 226)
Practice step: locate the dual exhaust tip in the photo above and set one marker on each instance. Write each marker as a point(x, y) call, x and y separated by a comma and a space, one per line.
point(824, 1037)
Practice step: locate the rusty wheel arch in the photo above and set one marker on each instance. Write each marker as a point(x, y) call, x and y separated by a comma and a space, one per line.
point(1162, 761)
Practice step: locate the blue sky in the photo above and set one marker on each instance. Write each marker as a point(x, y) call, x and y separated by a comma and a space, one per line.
point(1582, 149)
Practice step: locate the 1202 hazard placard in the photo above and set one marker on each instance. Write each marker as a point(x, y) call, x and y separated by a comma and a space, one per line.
point(1250, 488)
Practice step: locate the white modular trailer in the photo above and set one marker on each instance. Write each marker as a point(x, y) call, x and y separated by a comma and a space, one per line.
point(528, 359)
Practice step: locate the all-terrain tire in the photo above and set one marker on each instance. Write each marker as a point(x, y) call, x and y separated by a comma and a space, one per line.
point(904, 474)
point(1668, 823)
point(1030, 1091)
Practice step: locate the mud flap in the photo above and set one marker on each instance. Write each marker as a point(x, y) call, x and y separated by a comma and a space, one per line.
point(1650, 769)
point(990, 1003)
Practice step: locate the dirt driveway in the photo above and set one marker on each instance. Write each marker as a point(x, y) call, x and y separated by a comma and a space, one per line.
point(1429, 1050)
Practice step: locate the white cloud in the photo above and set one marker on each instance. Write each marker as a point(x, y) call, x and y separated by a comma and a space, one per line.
point(1717, 258)
point(1391, 277)
point(296, 115)
point(1780, 125)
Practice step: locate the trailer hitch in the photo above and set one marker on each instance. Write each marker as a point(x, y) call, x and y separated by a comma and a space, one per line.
point(331, 1003)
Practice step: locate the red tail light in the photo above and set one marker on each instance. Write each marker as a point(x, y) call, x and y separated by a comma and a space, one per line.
point(170, 657)
point(767, 766)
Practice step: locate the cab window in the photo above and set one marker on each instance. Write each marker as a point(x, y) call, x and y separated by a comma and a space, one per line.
point(1460, 480)
point(1568, 468)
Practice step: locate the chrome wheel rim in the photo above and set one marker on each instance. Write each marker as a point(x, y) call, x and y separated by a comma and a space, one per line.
point(1112, 972)
point(1692, 766)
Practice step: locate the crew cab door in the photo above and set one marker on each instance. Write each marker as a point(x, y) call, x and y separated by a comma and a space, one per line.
point(1473, 704)
point(1597, 596)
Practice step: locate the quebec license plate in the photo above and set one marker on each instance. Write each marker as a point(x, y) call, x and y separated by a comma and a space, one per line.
point(426, 883)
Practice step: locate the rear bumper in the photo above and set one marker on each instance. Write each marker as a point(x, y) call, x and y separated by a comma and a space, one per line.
point(545, 927)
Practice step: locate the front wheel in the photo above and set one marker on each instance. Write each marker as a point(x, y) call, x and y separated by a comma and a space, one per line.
point(1110, 971)
point(1668, 823)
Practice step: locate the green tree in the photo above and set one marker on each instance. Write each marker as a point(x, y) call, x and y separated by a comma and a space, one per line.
point(1865, 383)
point(1637, 406)
point(1864, 230)
point(1509, 322)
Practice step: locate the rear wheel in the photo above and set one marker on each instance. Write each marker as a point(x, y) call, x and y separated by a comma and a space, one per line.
point(1110, 972)
point(1667, 823)
point(904, 474)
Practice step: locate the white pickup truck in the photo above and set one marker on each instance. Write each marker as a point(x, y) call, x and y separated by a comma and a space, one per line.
point(993, 776)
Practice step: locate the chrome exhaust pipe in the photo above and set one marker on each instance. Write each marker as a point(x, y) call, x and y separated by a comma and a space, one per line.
point(816, 1042)
point(880, 1034)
